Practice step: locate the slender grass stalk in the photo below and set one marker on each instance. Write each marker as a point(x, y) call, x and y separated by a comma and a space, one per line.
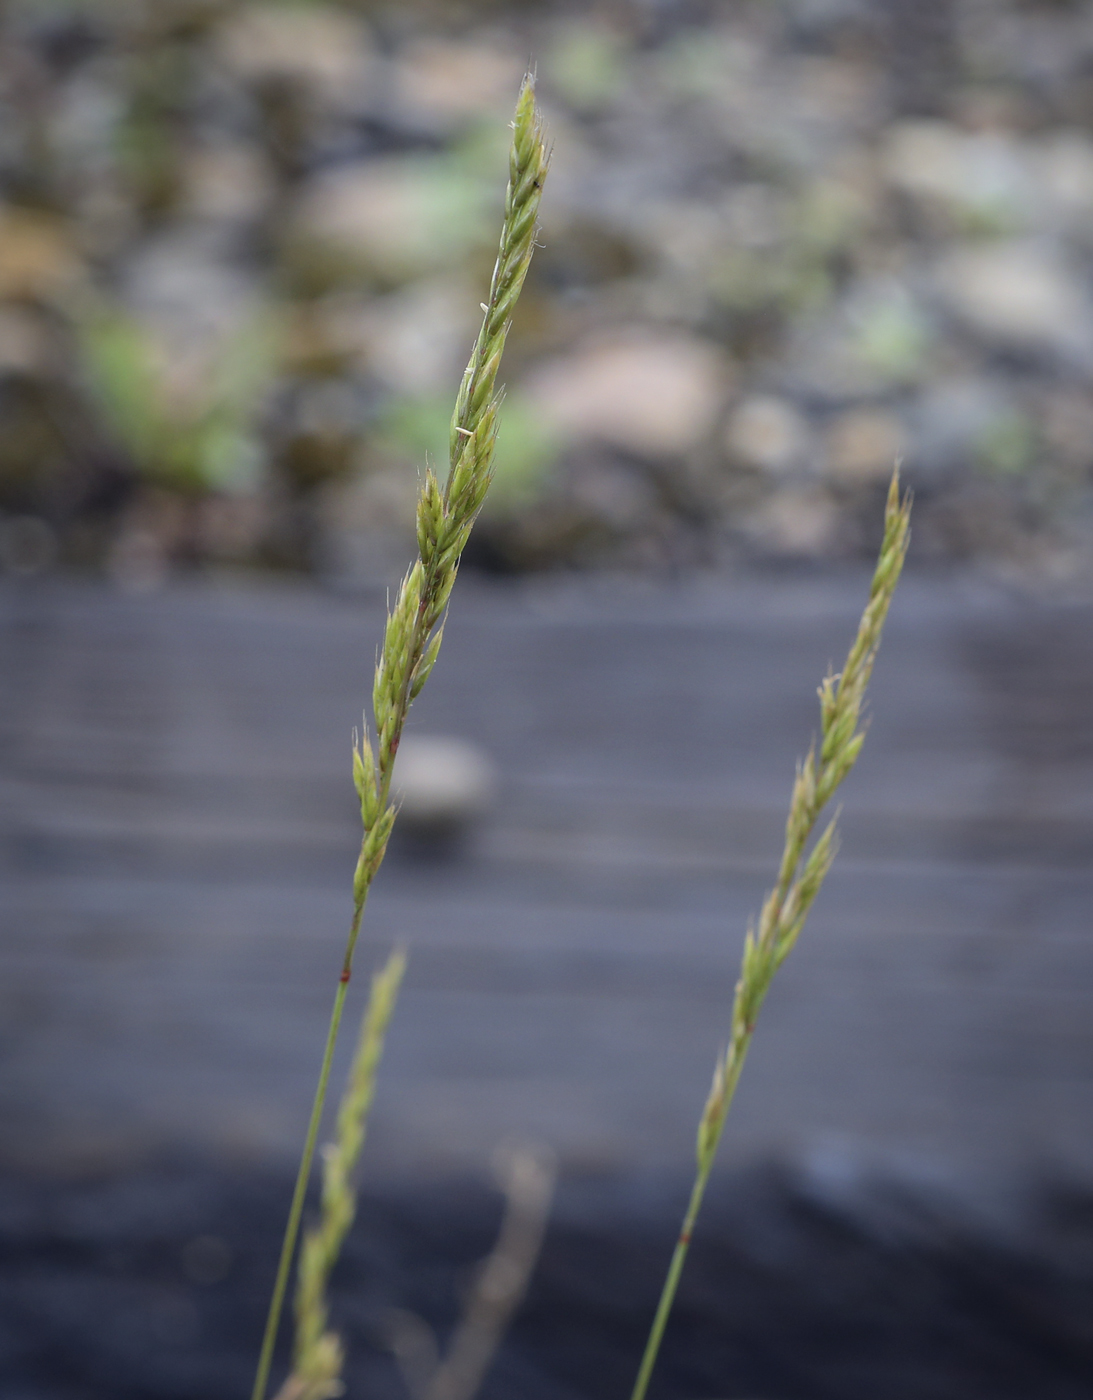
point(318, 1354)
point(415, 625)
point(799, 879)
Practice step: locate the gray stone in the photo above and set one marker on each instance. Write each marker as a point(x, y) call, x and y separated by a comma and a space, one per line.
point(769, 434)
point(653, 393)
point(1020, 295)
point(989, 176)
point(417, 339)
point(798, 520)
point(324, 48)
point(862, 446)
point(951, 418)
point(441, 783)
point(442, 84)
point(394, 218)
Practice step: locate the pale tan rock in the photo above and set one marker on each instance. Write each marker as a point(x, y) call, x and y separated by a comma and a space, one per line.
point(650, 393)
point(229, 182)
point(863, 446)
point(802, 521)
point(767, 434)
point(397, 217)
point(373, 212)
point(444, 81)
point(988, 173)
point(24, 341)
point(37, 258)
point(1066, 169)
point(325, 48)
point(1017, 294)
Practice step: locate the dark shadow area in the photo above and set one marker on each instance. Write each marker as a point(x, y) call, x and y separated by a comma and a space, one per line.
point(152, 1286)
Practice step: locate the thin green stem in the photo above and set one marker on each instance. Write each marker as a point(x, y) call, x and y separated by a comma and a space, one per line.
point(798, 882)
point(303, 1176)
point(671, 1283)
point(736, 1057)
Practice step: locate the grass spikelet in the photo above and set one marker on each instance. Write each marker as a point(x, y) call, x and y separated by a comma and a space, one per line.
point(414, 627)
point(800, 877)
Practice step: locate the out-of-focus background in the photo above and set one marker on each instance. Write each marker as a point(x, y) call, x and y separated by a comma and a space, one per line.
point(242, 251)
point(243, 247)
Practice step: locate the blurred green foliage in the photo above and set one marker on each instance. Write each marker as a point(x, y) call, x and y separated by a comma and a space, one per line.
point(194, 439)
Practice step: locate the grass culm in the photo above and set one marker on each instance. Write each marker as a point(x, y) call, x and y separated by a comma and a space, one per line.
point(412, 639)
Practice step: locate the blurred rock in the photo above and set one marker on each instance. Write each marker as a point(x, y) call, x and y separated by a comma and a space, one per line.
point(138, 561)
point(890, 333)
point(417, 339)
point(768, 434)
point(1010, 445)
point(797, 521)
point(843, 212)
point(37, 256)
point(1020, 295)
point(586, 61)
point(182, 285)
point(755, 215)
point(1065, 162)
point(863, 446)
point(985, 177)
point(391, 219)
point(232, 528)
point(1068, 427)
point(365, 523)
point(320, 431)
point(875, 337)
point(324, 48)
point(441, 785)
point(950, 422)
point(440, 84)
point(612, 494)
point(25, 346)
point(232, 183)
point(651, 394)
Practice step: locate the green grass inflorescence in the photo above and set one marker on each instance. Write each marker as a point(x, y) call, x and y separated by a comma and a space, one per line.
point(415, 625)
point(786, 906)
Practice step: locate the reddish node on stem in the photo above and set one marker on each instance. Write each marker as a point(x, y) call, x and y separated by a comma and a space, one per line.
point(346, 974)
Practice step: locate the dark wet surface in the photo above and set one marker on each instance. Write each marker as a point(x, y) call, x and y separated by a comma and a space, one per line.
point(178, 833)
